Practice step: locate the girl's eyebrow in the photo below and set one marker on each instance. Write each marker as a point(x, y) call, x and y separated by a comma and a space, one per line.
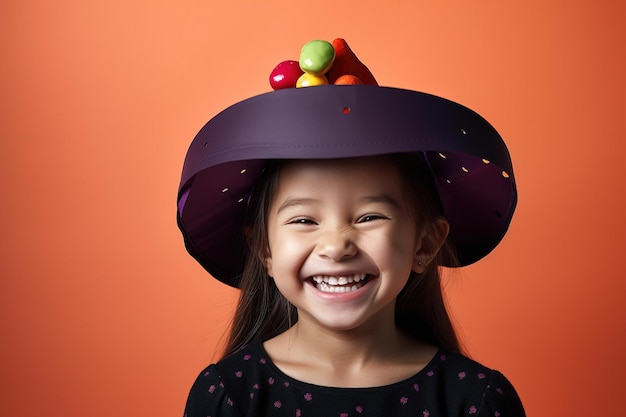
point(381, 198)
point(293, 201)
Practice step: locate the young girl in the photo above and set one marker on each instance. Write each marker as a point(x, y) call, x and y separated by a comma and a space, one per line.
point(333, 208)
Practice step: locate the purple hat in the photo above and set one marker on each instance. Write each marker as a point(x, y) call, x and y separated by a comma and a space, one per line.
point(469, 161)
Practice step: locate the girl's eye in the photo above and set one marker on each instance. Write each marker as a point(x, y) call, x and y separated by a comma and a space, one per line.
point(302, 220)
point(370, 217)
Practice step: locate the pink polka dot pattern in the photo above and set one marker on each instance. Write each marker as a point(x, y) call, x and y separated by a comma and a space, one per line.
point(248, 383)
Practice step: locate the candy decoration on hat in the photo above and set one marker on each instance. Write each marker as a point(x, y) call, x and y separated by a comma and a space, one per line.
point(311, 80)
point(285, 75)
point(316, 57)
point(348, 80)
point(347, 63)
point(322, 63)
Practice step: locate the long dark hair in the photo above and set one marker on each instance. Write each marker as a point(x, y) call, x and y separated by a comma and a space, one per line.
point(263, 312)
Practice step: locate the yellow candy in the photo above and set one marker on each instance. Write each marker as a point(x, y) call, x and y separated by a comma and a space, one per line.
point(309, 80)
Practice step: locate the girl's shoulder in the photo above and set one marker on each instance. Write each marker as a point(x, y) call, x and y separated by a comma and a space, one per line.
point(248, 364)
point(211, 393)
point(472, 387)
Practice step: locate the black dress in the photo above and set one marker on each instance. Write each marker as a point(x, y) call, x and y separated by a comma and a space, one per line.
point(247, 383)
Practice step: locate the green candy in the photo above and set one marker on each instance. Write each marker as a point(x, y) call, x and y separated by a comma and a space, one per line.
point(316, 57)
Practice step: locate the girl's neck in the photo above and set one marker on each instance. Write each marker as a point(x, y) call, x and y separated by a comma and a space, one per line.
point(374, 355)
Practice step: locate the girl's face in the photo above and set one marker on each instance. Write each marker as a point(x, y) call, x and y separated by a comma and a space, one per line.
point(343, 239)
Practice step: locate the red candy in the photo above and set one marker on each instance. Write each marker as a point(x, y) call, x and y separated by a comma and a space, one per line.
point(285, 75)
point(346, 62)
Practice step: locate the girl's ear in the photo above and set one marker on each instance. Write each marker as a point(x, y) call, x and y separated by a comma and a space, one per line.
point(268, 265)
point(430, 241)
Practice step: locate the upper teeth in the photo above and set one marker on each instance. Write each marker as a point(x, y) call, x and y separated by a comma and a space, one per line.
point(339, 280)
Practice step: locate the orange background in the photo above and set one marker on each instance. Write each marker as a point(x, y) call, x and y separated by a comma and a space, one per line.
point(102, 312)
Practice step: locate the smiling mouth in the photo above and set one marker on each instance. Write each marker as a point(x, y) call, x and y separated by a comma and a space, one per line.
point(337, 284)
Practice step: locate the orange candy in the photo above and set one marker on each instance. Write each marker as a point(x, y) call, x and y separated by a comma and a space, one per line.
point(348, 79)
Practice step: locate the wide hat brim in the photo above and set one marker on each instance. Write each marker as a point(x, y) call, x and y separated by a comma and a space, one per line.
point(469, 160)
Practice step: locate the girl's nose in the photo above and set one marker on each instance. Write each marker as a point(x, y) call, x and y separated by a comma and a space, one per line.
point(336, 246)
